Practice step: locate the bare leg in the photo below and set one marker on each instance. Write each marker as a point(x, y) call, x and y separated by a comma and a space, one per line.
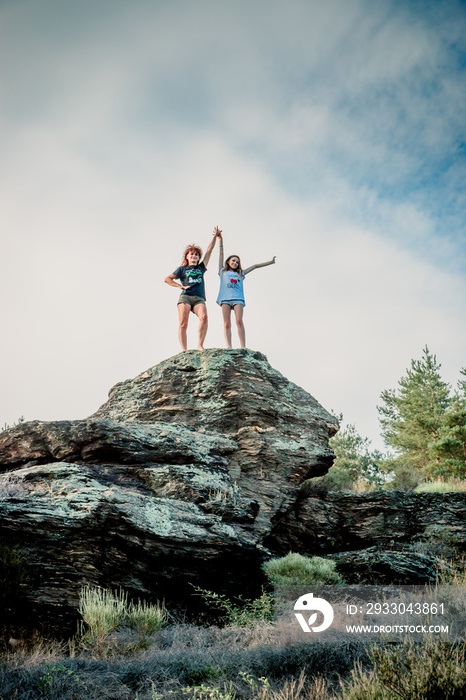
point(183, 313)
point(226, 311)
point(201, 312)
point(238, 309)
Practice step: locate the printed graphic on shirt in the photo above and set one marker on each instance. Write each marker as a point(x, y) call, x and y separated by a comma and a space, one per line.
point(231, 286)
point(194, 276)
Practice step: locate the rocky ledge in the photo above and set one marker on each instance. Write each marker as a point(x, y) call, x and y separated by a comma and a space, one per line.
point(386, 537)
point(191, 474)
point(177, 479)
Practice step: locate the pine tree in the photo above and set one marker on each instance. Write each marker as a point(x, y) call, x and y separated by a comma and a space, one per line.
point(448, 451)
point(412, 415)
point(355, 461)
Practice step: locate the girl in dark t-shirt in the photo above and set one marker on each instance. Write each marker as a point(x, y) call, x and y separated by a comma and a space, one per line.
point(191, 276)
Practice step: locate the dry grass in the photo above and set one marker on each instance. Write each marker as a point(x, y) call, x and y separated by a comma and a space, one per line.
point(194, 663)
point(442, 486)
point(183, 661)
point(259, 662)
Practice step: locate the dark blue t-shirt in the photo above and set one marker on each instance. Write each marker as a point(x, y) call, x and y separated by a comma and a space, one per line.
point(192, 275)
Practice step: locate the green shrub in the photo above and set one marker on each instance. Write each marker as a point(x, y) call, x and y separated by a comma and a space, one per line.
point(207, 692)
point(49, 678)
point(297, 570)
point(412, 672)
point(146, 619)
point(245, 613)
point(104, 611)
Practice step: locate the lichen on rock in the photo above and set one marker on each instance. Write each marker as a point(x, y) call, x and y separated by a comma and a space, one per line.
point(177, 478)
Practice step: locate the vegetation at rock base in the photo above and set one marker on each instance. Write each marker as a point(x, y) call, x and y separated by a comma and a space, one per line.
point(239, 613)
point(291, 570)
point(250, 658)
point(412, 672)
point(104, 611)
point(297, 570)
point(185, 661)
point(146, 619)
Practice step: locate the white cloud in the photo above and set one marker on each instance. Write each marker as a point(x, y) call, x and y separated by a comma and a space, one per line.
point(112, 168)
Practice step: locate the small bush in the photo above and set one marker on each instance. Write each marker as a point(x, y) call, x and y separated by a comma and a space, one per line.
point(452, 573)
point(296, 570)
point(206, 692)
point(146, 619)
point(412, 672)
point(104, 611)
point(52, 672)
point(245, 613)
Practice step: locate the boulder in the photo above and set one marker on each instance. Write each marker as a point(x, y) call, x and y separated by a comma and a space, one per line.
point(176, 480)
point(374, 566)
point(190, 475)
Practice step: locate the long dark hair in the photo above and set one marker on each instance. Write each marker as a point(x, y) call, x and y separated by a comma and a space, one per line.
point(227, 264)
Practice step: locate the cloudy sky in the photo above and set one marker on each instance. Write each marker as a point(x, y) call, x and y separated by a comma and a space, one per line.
point(330, 134)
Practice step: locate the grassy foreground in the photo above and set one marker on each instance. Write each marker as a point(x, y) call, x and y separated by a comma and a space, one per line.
point(261, 661)
point(128, 650)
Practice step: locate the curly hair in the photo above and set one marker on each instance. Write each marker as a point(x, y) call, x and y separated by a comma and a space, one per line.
point(191, 249)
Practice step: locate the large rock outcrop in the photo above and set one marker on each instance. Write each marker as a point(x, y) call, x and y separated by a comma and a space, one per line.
point(177, 479)
point(191, 473)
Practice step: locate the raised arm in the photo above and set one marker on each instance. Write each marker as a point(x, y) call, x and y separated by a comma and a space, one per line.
point(220, 250)
point(210, 247)
point(254, 267)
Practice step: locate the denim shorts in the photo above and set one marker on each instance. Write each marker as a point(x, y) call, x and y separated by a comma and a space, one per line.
point(232, 302)
point(191, 299)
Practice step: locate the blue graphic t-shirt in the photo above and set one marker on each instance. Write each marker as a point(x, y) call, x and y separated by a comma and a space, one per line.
point(231, 286)
point(192, 276)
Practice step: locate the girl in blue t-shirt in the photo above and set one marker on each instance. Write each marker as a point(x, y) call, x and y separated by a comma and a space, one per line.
point(231, 294)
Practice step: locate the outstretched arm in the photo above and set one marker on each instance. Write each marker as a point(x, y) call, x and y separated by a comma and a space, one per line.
point(254, 267)
point(210, 247)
